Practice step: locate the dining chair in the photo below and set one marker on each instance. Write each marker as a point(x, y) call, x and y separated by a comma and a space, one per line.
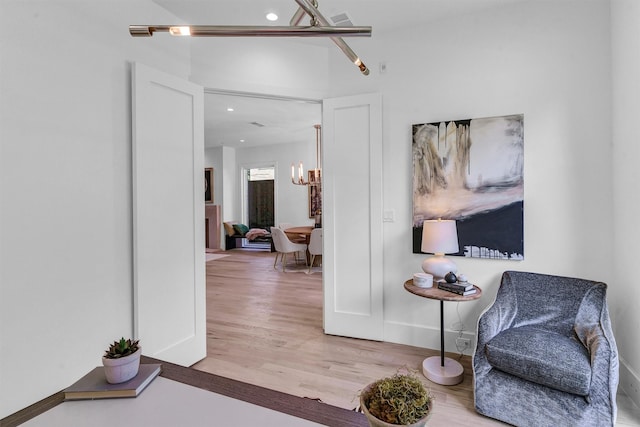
point(285, 246)
point(315, 245)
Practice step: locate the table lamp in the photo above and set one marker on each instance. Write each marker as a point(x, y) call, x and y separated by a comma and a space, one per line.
point(439, 237)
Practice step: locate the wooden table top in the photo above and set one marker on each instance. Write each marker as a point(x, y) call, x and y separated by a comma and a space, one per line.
point(304, 229)
point(439, 294)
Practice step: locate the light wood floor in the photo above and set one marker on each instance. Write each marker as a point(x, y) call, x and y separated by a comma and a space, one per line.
point(265, 328)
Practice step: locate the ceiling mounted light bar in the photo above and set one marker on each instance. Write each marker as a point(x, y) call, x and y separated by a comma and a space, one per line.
point(320, 27)
point(310, 7)
point(248, 31)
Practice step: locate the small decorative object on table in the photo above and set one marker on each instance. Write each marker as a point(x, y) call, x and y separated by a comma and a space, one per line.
point(423, 280)
point(460, 288)
point(450, 277)
point(122, 360)
point(398, 400)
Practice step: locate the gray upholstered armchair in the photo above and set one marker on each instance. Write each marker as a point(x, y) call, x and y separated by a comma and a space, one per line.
point(546, 355)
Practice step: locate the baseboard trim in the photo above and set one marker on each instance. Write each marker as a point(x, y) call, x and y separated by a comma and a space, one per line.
point(427, 337)
point(629, 382)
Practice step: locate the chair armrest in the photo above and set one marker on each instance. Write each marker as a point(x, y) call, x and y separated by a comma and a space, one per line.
point(593, 329)
point(500, 315)
point(496, 318)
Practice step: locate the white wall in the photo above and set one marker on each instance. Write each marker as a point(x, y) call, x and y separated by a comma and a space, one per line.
point(213, 159)
point(230, 184)
point(624, 290)
point(547, 60)
point(268, 66)
point(65, 176)
point(292, 201)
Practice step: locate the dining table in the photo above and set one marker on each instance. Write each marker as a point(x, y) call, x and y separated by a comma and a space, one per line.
point(295, 234)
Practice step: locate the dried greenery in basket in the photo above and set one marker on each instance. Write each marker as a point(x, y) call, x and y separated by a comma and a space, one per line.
point(400, 399)
point(122, 348)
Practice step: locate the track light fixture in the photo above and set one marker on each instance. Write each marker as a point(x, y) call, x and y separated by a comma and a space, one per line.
point(319, 27)
point(310, 7)
point(247, 31)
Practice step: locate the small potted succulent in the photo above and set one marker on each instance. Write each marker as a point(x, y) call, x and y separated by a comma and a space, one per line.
point(401, 399)
point(121, 360)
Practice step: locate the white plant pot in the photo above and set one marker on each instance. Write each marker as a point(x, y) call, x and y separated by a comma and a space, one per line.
point(122, 369)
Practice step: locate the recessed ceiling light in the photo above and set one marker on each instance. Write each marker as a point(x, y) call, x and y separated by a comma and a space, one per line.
point(229, 109)
point(242, 140)
point(272, 16)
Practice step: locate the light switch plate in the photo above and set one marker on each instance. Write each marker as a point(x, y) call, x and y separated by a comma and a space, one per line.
point(388, 216)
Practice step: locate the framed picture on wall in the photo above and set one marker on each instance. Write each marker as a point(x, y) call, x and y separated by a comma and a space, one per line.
point(208, 185)
point(315, 195)
point(472, 171)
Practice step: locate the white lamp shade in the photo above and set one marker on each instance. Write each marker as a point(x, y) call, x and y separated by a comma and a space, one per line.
point(439, 237)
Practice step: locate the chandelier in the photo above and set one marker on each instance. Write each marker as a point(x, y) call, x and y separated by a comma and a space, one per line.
point(315, 175)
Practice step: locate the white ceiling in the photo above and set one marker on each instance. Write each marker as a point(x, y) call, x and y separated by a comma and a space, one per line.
point(382, 15)
point(284, 120)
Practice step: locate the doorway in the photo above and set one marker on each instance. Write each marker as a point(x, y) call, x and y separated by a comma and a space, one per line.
point(260, 197)
point(246, 133)
point(258, 202)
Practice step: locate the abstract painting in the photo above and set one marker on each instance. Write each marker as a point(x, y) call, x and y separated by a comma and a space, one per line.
point(472, 171)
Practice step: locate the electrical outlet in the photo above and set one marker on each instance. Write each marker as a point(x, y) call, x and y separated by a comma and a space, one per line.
point(463, 343)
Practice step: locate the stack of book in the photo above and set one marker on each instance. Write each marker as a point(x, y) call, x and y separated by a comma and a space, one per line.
point(94, 385)
point(460, 288)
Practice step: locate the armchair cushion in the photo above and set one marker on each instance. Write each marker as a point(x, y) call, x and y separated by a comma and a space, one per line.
point(549, 358)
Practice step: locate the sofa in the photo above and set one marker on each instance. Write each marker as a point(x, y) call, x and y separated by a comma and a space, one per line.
point(234, 232)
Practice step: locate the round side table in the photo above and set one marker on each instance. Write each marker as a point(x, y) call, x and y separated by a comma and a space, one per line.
point(440, 369)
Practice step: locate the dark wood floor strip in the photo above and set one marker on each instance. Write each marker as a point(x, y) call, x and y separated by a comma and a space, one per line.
point(32, 411)
point(300, 407)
